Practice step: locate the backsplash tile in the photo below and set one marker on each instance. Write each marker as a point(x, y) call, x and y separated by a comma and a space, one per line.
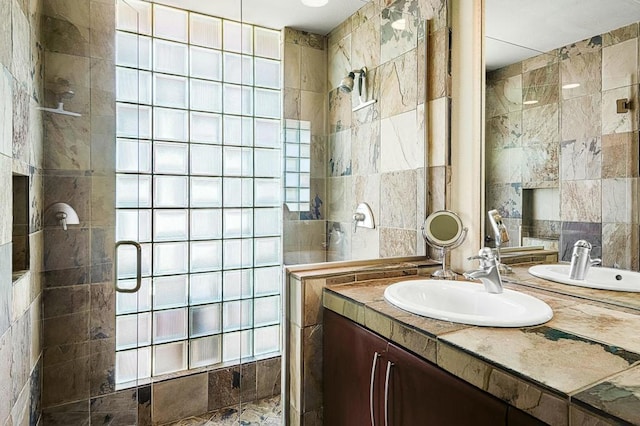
point(574, 231)
point(541, 85)
point(579, 201)
point(620, 64)
point(620, 155)
point(586, 70)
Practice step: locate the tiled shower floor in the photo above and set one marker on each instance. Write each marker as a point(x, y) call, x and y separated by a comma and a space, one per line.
point(266, 412)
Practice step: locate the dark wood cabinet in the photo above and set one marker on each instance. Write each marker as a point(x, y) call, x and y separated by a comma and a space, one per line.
point(350, 354)
point(421, 393)
point(365, 376)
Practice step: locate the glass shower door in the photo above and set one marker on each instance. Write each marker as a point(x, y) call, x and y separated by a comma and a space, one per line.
point(198, 195)
point(133, 193)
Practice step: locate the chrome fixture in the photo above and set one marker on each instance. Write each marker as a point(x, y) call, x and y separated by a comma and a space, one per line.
point(61, 214)
point(363, 217)
point(443, 230)
point(62, 91)
point(347, 83)
point(581, 260)
point(488, 273)
point(500, 236)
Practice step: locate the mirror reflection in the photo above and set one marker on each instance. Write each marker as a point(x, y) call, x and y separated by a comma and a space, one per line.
point(561, 155)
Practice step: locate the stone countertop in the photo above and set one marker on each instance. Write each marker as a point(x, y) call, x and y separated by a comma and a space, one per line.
point(581, 366)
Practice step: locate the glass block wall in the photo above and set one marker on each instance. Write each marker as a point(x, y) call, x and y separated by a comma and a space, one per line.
point(198, 185)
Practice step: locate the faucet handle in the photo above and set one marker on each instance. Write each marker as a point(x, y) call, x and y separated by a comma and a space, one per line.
point(582, 244)
point(486, 256)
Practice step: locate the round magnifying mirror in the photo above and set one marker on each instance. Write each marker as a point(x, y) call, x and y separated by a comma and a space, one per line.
point(442, 228)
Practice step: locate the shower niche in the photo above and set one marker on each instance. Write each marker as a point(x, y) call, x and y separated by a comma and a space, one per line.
point(20, 229)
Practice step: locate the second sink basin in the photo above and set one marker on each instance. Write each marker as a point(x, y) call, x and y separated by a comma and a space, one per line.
point(467, 303)
point(597, 277)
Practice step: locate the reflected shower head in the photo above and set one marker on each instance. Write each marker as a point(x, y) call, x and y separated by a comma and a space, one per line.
point(346, 85)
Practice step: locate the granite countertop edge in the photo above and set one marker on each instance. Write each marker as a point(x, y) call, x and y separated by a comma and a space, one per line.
point(585, 397)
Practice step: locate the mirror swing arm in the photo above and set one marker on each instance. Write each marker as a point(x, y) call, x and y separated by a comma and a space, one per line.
point(443, 231)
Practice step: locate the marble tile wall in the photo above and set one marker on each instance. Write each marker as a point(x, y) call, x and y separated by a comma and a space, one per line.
point(305, 69)
point(385, 146)
point(570, 139)
point(21, 246)
point(78, 297)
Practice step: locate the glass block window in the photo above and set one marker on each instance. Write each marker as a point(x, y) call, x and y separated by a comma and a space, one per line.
point(297, 165)
point(199, 186)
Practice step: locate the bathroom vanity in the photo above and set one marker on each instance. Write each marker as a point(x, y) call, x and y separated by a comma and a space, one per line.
point(370, 380)
point(583, 364)
point(581, 367)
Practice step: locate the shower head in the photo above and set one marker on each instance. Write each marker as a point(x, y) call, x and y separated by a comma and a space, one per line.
point(346, 85)
point(67, 94)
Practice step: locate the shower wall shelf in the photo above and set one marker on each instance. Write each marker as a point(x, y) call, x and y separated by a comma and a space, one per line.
point(60, 110)
point(364, 105)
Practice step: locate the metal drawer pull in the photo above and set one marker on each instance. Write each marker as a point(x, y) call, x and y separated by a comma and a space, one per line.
point(138, 267)
point(371, 383)
point(386, 393)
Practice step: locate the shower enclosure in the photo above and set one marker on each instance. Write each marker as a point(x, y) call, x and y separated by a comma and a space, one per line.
point(204, 329)
point(198, 202)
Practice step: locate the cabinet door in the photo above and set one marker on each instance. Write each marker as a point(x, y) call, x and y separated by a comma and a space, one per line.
point(420, 393)
point(349, 353)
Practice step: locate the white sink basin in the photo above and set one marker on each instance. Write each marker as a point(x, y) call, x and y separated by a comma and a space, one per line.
point(597, 277)
point(467, 303)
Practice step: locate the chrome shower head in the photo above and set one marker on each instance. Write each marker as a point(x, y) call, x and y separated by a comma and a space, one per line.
point(346, 85)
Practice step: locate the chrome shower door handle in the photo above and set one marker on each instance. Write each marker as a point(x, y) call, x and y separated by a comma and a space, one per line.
point(371, 387)
point(138, 267)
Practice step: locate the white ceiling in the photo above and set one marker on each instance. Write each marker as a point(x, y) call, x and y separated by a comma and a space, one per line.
point(276, 13)
point(519, 29)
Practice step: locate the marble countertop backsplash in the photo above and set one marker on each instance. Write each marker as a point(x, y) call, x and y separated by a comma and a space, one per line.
point(581, 367)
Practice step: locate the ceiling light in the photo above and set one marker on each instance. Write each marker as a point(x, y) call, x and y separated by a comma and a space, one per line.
point(399, 24)
point(314, 3)
point(571, 85)
point(530, 102)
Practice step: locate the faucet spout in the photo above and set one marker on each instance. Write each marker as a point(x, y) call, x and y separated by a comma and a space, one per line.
point(581, 260)
point(489, 273)
point(490, 279)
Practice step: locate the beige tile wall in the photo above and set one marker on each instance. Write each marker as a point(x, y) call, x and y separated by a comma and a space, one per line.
point(383, 154)
point(572, 140)
point(20, 153)
point(305, 64)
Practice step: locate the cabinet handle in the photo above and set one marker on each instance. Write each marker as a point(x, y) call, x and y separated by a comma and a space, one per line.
point(371, 383)
point(386, 393)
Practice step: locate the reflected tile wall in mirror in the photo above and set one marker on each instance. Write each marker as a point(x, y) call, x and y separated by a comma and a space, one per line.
point(540, 134)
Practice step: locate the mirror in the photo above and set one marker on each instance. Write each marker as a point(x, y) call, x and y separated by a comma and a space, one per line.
point(561, 158)
point(443, 230)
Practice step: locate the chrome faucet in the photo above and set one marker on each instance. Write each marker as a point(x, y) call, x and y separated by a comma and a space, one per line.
point(581, 260)
point(488, 273)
